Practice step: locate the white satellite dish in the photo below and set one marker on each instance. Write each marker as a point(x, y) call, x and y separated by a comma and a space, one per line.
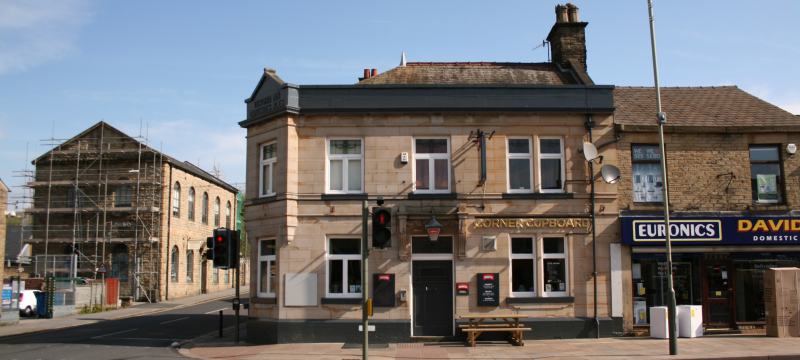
point(589, 151)
point(610, 173)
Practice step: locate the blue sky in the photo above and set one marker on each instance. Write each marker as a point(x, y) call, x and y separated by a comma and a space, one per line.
point(183, 68)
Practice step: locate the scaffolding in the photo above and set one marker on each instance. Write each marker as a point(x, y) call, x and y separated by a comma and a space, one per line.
point(99, 197)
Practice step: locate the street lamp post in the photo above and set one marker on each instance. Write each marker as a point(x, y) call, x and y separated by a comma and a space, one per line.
point(662, 119)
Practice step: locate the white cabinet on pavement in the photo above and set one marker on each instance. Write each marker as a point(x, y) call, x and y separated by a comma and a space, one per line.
point(659, 327)
point(690, 320)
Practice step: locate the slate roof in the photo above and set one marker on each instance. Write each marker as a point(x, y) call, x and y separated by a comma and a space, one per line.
point(461, 73)
point(698, 106)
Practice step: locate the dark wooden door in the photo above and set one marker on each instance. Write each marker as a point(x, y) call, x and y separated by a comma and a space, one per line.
point(718, 293)
point(433, 298)
point(203, 277)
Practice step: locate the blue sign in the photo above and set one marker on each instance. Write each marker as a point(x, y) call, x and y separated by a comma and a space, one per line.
point(746, 230)
point(7, 294)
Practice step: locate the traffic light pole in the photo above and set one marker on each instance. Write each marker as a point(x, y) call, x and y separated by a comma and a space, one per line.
point(364, 280)
point(238, 301)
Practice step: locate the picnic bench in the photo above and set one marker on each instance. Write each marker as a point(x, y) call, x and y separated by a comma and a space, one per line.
point(476, 327)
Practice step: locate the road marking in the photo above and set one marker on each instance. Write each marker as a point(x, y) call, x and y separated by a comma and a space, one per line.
point(174, 320)
point(112, 334)
point(216, 310)
point(150, 339)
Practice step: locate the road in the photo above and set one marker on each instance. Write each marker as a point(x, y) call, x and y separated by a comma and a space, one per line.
point(138, 337)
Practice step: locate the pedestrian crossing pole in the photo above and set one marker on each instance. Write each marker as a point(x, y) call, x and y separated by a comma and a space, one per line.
point(364, 280)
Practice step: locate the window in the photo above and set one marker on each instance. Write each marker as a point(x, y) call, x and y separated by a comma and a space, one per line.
point(204, 210)
point(215, 276)
point(122, 195)
point(176, 200)
point(646, 170)
point(191, 204)
point(173, 266)
point(227, 276)
point(345, 166)
point(554, 266)
point(344, 267)
point(551, 165)
point(765, 174)
point(228, 215)
point(72, 200)
point(267, 268)
point(520, 165)
point(424, 245)
point(269, 156)
point(119, 262)
point(216, 212)
point(189, 265)
point(432, 165)
point(523, 259)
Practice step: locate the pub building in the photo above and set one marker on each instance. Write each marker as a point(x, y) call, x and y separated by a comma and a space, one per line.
point(733, 180)
point(488, 150)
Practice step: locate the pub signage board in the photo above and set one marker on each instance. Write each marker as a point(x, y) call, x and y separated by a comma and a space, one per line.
point(489, 289)
point(462, 289)
point(745, 230)
point(383, 291)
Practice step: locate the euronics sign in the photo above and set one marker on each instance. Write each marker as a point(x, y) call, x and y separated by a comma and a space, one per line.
point(712, 231)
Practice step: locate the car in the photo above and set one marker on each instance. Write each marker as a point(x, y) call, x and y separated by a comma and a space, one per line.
point(27, 302)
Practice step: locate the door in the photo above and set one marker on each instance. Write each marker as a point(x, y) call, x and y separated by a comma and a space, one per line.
point(203, 277)
point(718, 293)
point(433, 298)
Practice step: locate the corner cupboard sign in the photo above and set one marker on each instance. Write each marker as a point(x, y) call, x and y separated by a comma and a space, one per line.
point(533, 223)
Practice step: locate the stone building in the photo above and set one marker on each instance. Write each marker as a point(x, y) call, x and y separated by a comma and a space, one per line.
point(490, 149)
point(733, 180)
point(103, 197)
point(4, 190)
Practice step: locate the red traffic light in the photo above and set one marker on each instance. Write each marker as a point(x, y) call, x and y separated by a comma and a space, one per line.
point(382, 218)
point(219, 239)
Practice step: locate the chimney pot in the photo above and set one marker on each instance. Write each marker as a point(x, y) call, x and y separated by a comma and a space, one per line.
point(366, 73)
point(561, 14)
point(573, 13)
point(374, 72)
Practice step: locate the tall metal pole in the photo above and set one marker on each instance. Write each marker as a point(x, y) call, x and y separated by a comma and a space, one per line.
point(590, 125)
point(238, 301)
point(364, 280)
point(661, 119)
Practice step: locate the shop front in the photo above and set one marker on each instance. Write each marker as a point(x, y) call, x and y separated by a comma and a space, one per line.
point(718, 262)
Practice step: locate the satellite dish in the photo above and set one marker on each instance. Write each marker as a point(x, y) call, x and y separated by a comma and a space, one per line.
point(610, 173)
point(589, 151)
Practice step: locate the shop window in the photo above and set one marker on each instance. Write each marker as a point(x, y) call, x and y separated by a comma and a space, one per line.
point(523, 259)
point(432, 165)
point(73, 200)
point(189, 266)
point(191, 204)
point(228, 215)
point(173, 272)
point(176, 200)
point(345, 166)
point(520, 165)
point(204, 210)
point(344, 267)
point(269, 157)
point(551, 165)
point(122, 195)
point(554, 267)
point(216, 212)
point(765, 174)
point(424, 245)
point(215, 276)
point(749, 281)
point(267, 268)
point(646, 170)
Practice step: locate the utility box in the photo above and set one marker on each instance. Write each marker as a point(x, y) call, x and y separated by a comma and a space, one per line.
point(659, 322)
point(383, 290)
point(690, 321)
point(780, 301)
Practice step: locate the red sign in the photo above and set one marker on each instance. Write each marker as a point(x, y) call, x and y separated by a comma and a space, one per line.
point(488, 276)
point(101, 268)
point(384, 277)
point(433, 231)
point(463, 286)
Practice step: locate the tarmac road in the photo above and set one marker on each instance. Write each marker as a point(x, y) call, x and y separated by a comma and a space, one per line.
point(138, 337)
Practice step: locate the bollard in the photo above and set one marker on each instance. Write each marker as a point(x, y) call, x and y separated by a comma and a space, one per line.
point(220, 323)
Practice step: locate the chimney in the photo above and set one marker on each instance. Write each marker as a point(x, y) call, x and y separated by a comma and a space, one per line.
point(568, 38)
point(374, 72)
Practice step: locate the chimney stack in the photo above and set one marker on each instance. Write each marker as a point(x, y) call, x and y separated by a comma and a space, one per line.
point(568, 39)
point(573, 13)
point(561, 14)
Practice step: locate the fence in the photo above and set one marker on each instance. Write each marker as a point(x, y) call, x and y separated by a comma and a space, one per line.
point(65, 266)
point(10, 304)
point(60, 296)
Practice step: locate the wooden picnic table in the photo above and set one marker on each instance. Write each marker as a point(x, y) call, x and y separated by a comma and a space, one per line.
point(475, 328)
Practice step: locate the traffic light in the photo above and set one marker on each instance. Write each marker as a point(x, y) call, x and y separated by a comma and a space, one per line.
point(225, 249)
point(381, 227)
point(210, 248)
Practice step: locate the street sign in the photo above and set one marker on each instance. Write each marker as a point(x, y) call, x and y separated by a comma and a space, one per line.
point(101, 269)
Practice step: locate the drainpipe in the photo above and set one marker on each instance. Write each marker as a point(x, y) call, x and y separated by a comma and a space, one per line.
point(590, 126)
point(169, 227)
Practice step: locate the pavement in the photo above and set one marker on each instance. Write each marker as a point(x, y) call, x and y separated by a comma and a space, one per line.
point(749, 347)
point(33, 325)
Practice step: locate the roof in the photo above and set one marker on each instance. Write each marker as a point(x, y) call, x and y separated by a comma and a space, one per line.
point(698, 106)
point(3, 186)
point(473, 73)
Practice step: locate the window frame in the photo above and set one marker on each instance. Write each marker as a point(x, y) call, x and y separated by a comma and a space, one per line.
point(76, 196)
point(215, 276)
point(431, 168)
point(176, 200)
point(271, 162)
point(190, 266)
point(633, 186)
point(175, 264)
point(204, 212)
point(345, 158)
point(268, 259)
point(543, 257)
point(190, 207)
point(540, 156)
point(227, 276)
point(119, 199)
point(780, 186)
point(520, 256)
point(228, 215)
point(216, 212)
point(345, 294)
point(510, 156)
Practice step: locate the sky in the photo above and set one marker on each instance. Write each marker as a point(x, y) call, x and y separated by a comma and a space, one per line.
point(182, 69)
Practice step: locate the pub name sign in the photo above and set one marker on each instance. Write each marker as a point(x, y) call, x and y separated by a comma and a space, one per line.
point(533, 223)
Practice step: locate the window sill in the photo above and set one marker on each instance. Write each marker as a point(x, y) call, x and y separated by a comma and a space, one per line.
point(538, 196)
point(264, 300)
point(333, 301)
point(263, 200)
point(433, 196)
point(361, 196)
point(768, 207)
point(540, 300)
